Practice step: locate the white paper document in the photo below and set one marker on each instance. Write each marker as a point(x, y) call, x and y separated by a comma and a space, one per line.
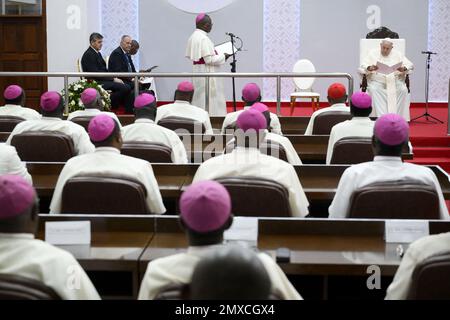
point(406, 231)
point(68, 233)
point(243, 230)
point(385, 69)
point(225, 48)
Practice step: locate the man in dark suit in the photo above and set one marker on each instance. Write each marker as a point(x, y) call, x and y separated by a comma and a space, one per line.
point(120, 60)
point(92, 61)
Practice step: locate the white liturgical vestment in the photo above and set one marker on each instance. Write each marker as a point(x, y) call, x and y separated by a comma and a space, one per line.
point(357, 127)
point(178, 270)
point(382, 169)
point(109, 162)
point(335, 107)
point(418, 252)
point(389, 92)
point(92, 113)
point(145, 130)
point(10, 163)
point(81, 141)
point(231, 119)
point(20, 112)
point(200, 50)
point(250, 162)
point(22, 255)
point(184, 109)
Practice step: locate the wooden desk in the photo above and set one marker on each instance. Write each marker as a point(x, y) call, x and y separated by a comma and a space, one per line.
point(112, 260)
point(319, 182)
point(319, 247)
point(4, 136)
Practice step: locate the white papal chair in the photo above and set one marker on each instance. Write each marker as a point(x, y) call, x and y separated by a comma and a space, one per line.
point(303, 86)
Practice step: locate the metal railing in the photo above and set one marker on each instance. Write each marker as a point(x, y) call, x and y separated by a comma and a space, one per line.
point(207, 76)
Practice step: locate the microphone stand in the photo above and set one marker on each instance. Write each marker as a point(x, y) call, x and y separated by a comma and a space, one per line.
point(427, 115)
point(233, 70)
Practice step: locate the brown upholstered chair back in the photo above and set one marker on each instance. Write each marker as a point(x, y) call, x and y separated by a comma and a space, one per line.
point(13, 287)
point(256, 197)
point(431, 278)
point(43, 146)
point(326, 121)
point(8, 123)
point(151, 152)
point(352, 150)
point(104, 195)
point(83, 121)
point(175, 123)
point(395, 200)
point(270, 148)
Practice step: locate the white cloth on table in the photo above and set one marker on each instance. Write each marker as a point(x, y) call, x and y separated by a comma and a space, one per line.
point(145, 130)
point(108, 162)
point(10, 163)
point(22, 255)
point(20, 112)
point(81, 141)
point(335, 107)
point(357, 127)
point(231, 119)
point(382, 169)
point(389, 92)
point(250, 162)
point(200, 47)
point(185, 110)
point(418, 252)
point(178, 270)
point(92, 113)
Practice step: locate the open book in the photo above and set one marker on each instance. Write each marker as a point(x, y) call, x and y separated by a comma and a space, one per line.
point(385, 69)
point(225, 48)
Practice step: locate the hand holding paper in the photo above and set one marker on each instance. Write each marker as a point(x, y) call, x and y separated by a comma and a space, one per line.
point(385, 69)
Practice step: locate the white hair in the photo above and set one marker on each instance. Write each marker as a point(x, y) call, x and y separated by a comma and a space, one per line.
point(387, 40)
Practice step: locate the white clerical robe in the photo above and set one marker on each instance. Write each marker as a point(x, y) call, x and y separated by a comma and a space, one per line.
point(92, 113)
point(231, 119)
point(81, 141)
point(382, 169)
point(249, 162)
point(357, 127)
point(335, 107)
point(109, 162)
point(418, 252)
point(389, 92)
point(22, 255)
point(10, 163)
point(178, 270)
point(20, 112)
point(200, 50)
point(145, 130)
point(184, 109)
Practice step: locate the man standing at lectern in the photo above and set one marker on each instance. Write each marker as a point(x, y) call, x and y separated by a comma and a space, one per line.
point(388, 91)
point(200, 50)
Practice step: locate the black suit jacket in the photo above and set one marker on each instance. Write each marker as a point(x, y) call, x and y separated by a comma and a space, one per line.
point(94, 62)
point(118, 61)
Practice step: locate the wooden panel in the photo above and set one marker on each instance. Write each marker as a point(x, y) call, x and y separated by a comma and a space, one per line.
point(23, 48)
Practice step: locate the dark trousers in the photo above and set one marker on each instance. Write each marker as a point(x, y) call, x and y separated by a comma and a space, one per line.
point(122, 94)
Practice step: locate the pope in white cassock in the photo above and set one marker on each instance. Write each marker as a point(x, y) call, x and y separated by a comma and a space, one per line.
point(389, 92)
point(200, 50)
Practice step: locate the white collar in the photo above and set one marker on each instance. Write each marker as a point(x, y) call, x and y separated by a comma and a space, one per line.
point(12, 106)
point(385, 158)
point(124, 52)
point(361, 119)
point(202, 31)
point(25, 236)
point(144, 121)
point(339, 105)
point(107, 149)
point(203, 249)
point(51, 119)
point(95, 49)
point(182, 102)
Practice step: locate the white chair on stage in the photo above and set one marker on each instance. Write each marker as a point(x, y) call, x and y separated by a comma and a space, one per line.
point(303, 86)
